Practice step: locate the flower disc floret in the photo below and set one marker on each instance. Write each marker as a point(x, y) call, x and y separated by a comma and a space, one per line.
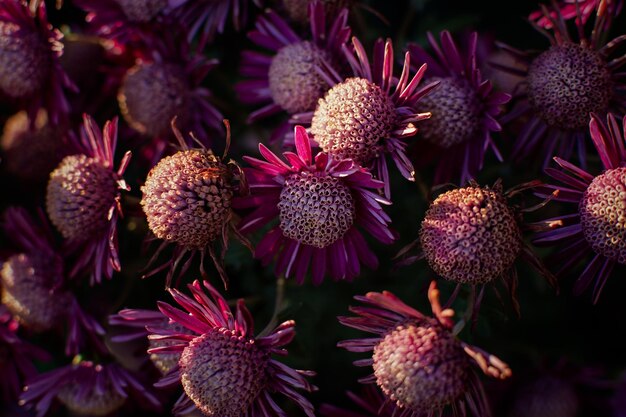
point(603, 214)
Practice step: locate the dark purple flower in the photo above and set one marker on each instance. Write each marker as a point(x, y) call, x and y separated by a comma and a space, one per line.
point(562, 86)
point(288, 80)
point(369, 115)
point(417, 361)
point(83, 200)
point(30, 71)
point(224, 369)
point(578, 9)
point(319, 203)
point(598, 227)
point(464, 108)
point(87, 388)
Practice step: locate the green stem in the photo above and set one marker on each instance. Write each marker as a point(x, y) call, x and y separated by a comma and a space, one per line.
point(278, 302)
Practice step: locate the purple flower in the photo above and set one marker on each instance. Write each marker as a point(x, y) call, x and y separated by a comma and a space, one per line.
point(562, 86)
point(598, 227)
point(289, 80)
point(30, 71)
point(464, 108)
point(319, 203)
point(579, 9)
point(417, 361)
point(369, 115)
point(224, 370)
point(83, 200)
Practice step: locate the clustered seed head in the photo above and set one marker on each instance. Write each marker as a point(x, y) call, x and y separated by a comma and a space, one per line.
point(546, 397)
point(298, 9)
point(421, 366)
point(165, 362)
point(151, 95)
point(141, 10)
point(294, 83)
point(566, 83)
point(603, 214)
point(470, 235)
point(223, 372)
point(456, 113)
point(97, 400)
point(187, 198)
point(25, 60)
point(80, 193)
point(352, 119)
point(26, 286)
point(315, 210)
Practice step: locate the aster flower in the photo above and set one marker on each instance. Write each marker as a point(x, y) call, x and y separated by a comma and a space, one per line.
point(464, 108)
point(224, 369)
point(187, 201)
point(87, 388)
point(319, 202)
point(563, 85)
point(83, 199)
point(597, 227)
point(30, 71)
point(579, 9)
point(417, 361)
point(289, 80)
point(369, 115)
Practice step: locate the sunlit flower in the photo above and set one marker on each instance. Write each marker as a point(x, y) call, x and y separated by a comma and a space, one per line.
point(319, 202)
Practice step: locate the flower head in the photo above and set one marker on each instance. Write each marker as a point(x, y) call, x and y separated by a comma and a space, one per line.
point(319, 203)
point(417, 362)
point(597, 227)
point(224, 369)
point(563, 85)
point(30, 71)
point(83, 199)
point(464, 107)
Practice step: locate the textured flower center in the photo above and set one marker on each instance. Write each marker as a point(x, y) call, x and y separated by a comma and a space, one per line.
point(294, 83)
point(80, 193)
point(470, 235)
point(164, 362)
point(314, 210)
point(26, 282)
point(298, 9)
point(456, 113)
point(96, 400)
point(141, 10)
point(421, 366)
point(187, 198)
point(223, 373)
point(151, 95)
point(25, 60)
point(603, 214)
point(546, 397)
point(566, 83)
point(352, 120)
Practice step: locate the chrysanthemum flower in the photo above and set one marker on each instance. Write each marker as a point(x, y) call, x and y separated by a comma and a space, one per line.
point(187, 201)
point(464, 108)
point(369, 115)
point(563, 85)
point(319, 202)
point(83, 199)
point(87, 388)
point(598, 227)
point(417, 361)
point(297, 9)
point(224, 369)
point(29, 61)
point(16, 358)
point(289, 79)
point(579, 9)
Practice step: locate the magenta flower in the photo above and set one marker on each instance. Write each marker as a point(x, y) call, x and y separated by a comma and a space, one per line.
point(464, 108)
point(288, 80)
point(417, 361)
point(30, 72)
point(578, 9)
point(598, 226)
point(224, 370)
point(370, 115)
point(319, 203)
point(83, 200)
point(562, 86)
point(87, 388)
